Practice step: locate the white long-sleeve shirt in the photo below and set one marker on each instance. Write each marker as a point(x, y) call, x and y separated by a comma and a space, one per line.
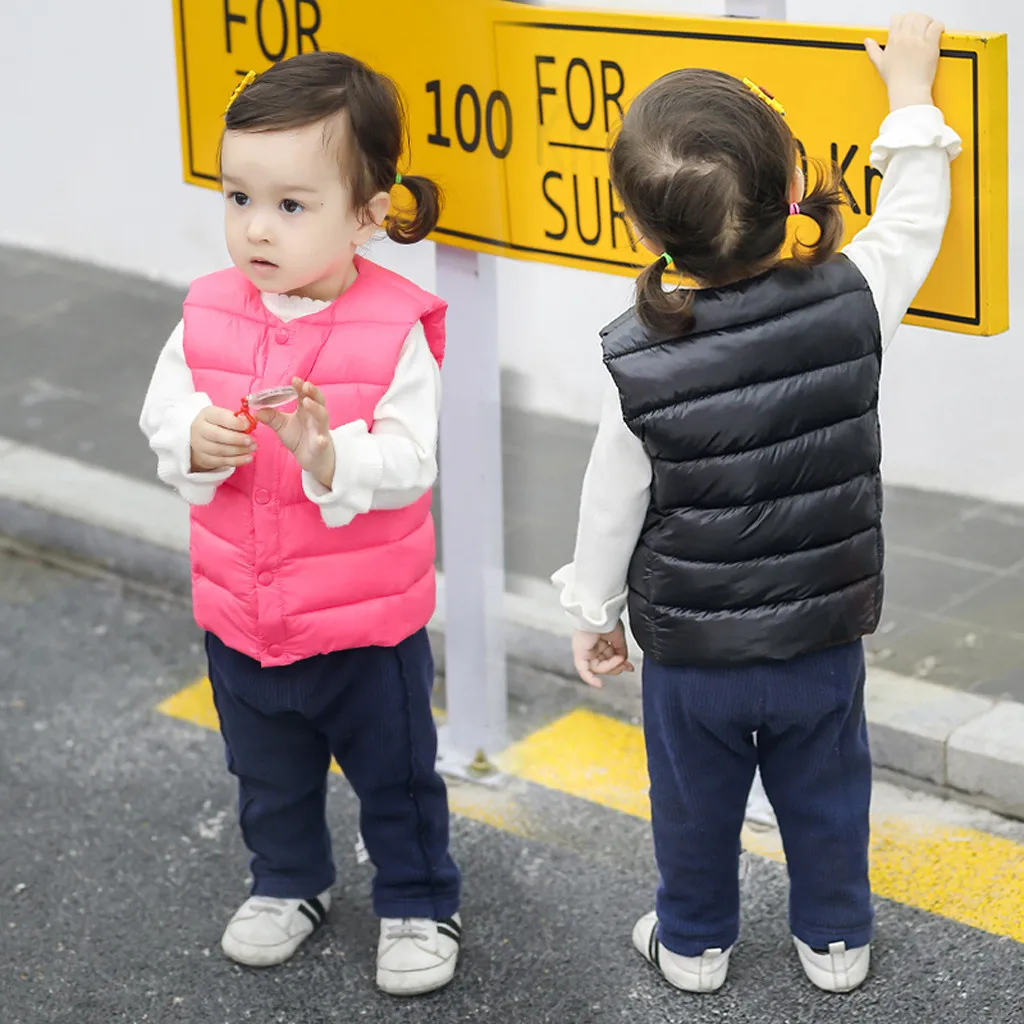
point(894, 252)
point(389, 466)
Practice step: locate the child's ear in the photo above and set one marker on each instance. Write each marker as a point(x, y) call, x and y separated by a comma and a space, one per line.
point(372, 218)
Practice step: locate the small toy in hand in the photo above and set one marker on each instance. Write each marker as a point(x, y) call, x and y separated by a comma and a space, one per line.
point(271, 398)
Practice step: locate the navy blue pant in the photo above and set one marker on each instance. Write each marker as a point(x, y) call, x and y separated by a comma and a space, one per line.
point(370, 708)
point(812, 748)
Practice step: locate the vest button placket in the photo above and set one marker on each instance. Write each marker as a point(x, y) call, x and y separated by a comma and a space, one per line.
point(287, 586)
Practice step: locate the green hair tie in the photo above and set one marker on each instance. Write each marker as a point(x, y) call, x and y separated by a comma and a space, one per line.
point(668, 260)
point(398, 179)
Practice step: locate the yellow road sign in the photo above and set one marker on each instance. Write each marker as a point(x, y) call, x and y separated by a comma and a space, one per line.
point(511, 108)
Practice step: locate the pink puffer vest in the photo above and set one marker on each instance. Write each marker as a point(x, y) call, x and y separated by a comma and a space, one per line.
point(268, 577)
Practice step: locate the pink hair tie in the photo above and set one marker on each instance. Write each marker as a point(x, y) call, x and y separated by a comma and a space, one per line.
point(794, 209)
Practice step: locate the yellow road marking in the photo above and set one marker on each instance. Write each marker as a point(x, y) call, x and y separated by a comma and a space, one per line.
point(193, 704)
point(962, 874)
point(587, 755)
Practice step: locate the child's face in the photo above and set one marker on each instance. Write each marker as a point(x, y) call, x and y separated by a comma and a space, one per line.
point(289, 220)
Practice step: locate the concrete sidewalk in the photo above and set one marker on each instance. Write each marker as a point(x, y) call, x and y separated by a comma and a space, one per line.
point(78, 345)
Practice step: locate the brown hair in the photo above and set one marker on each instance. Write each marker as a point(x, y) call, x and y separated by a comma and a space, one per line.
point(314, 87)
point(704, 168)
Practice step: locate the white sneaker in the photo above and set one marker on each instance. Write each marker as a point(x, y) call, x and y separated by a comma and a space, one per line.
point(267, 931)
point(416, 955)
point(838, 970)
point(704, 973)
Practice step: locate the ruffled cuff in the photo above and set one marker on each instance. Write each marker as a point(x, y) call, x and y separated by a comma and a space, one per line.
point(586, 613)
point(919, 127)
point(172, 444)
point(358, 470)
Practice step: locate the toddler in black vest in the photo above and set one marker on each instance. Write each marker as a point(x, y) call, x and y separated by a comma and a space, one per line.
point(734, 497)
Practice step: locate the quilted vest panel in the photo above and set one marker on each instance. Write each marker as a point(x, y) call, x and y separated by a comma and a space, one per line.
point(269, 578)
point(763, 539)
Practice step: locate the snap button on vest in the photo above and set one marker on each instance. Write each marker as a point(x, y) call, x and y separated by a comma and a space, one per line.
point(282, 336)
point(265, 579)
point(262, 496)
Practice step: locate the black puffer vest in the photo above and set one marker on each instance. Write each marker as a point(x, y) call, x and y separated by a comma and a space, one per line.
point(763, 540)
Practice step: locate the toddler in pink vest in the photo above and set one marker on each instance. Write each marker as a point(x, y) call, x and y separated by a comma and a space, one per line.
point(312, 543)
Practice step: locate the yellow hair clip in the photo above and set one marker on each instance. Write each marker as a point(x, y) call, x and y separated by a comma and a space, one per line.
point(244, 83)
point(766, 96)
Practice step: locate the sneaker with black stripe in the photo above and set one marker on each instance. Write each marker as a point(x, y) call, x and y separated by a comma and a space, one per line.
point(704, 973)
point(266, 930)
point(416, 955)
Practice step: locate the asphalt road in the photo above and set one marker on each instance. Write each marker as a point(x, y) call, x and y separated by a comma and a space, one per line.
point(120, 863)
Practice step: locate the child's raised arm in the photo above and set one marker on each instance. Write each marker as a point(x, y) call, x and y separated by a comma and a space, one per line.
point(896, 251)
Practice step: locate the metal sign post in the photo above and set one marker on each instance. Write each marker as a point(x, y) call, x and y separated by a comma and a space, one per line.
point(472, 520)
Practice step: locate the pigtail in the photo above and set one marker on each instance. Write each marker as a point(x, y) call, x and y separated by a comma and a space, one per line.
point(377, 113)
point(824, 205)
point(407, 227)
point(665, 312)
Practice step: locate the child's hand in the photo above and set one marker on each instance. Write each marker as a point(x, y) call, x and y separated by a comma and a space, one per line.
point(218, 440)
point(305, 432)
point(600, 654)
point(910, 59)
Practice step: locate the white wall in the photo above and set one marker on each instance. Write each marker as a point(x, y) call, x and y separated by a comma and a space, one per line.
point(91, 169)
